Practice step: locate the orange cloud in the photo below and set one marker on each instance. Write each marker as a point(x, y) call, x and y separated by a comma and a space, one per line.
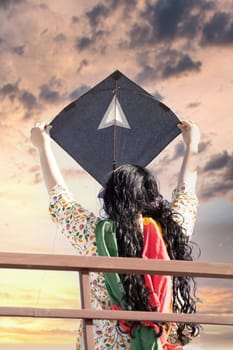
point(212, 300)
point(37, 331)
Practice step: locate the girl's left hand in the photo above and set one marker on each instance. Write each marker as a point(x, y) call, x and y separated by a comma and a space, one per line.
point(40, 137)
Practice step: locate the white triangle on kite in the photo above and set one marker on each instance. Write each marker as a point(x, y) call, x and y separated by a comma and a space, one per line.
point(114, 115)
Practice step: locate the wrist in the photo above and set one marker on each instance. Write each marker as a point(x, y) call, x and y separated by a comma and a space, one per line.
point(192, 148)
point(46, 147)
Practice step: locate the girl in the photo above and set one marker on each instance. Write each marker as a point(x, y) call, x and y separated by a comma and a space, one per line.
point(142, 224)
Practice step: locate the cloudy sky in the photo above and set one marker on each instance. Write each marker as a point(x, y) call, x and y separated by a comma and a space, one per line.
point(53, 51)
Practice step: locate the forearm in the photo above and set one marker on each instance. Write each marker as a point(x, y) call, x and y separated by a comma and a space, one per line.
point(51, 173)
point(188, 171)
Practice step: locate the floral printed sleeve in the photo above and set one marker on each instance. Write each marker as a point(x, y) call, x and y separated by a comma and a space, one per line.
point(184, 204)
point(75, 223)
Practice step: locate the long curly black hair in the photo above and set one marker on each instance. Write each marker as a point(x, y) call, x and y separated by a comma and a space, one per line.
point(131, 190)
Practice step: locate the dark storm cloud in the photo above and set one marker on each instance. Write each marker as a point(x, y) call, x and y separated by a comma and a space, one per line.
point(203, 146)
point(96, 40)
point(168, 63)
point(43, 6)
point(12, 91)
point(176, 152)
point(190, 26)
point(96, 17)
point(129, 4)
point(60, 37)
point(107, 7)
point(165, 16)
point(74, 19)
point(217, 162)
point(193, 104)
point(139, 35)
point(147, 73)
point(179, 150)
point(83, 63)
point(179, 65)
point(158, 96)
point(18, 50)
point(172, 19)
point(9, 90)
point(102, 11)
point(5, 4)
point(29, 103)
point(165, 22)
point(127, 7)
point(219, 30)
point(78, 92)
point(49, 94)
point(216, 189)
point(96, 14)
point(218, 179)
point(83, 43)
point(228, 175)
point(28, 100)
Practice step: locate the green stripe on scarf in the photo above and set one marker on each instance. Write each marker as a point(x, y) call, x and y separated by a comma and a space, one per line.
point(107, 246)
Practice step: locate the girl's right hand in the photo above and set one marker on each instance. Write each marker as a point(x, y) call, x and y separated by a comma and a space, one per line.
point(191, 134)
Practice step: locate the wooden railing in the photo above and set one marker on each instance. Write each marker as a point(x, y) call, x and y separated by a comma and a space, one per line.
point(121, 265)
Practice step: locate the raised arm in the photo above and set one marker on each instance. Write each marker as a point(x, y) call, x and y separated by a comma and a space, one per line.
point(184, 199)
point(41, 140)
point(191, 137)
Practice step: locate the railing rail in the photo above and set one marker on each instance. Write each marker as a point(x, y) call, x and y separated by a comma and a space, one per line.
point(109, 264)
point(87, 314)
point(106, 264)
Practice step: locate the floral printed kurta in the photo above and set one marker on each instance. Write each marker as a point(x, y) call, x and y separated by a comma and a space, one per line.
point(78, 226)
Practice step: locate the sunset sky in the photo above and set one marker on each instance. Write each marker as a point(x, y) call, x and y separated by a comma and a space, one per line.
point(51, 52)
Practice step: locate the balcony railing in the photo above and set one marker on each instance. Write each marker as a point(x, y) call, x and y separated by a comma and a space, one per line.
point(121, 265)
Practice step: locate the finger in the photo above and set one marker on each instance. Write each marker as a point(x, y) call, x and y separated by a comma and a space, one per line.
point(179, 126)
point(48, 127)
point(182, 126)
point(41, 126)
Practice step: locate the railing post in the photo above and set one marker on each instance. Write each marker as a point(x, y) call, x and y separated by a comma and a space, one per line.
point(85, 298)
